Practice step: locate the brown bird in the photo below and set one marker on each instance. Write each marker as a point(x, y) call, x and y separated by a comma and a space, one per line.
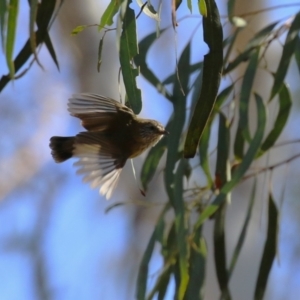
point(114, 134)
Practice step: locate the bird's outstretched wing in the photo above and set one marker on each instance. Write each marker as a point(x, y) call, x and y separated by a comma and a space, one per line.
point(99, 161)
point(96, 111)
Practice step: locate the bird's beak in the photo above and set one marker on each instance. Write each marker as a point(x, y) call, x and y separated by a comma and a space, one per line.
point(165, 132)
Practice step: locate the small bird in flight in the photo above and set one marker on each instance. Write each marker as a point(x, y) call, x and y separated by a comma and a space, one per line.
point(114, 134)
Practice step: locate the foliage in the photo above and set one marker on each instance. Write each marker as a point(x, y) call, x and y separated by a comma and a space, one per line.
point(42, 14)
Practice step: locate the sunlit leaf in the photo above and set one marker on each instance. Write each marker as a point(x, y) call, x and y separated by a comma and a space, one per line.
point(148, 10)
point(202, 8)
point(13, 9)
point(78, 29)
point(109, 13)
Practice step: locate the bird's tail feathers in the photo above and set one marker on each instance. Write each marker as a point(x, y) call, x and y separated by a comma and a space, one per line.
point(62, 148)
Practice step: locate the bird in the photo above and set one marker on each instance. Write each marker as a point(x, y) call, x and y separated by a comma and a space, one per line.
point(113, 135)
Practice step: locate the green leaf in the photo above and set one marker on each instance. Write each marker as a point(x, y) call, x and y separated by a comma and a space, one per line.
point(179, 103)
point(43, 19)
point(222, 177)
point(3, 15)
point(13, 10)
point(144, 266)
point(287, 52)
point(181, 230)
point(109, 13)
point(222, 97)
point(285, 104)
point(269, 250)
point(197, 265)
point(256, 42)
point(78, 29)
point(190, 5)
point(174, 180)
point(222, 172)
point(44, 14)
point(100, 47)
point(212, 69)
point(202, 8)
point(243, 133)
point(239, 172)
point(128, 50)
point(220, 252)
point(204, 155)
point(33, 13)
point(243, 233)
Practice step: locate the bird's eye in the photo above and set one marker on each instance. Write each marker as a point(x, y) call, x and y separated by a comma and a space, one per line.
point(152, 127)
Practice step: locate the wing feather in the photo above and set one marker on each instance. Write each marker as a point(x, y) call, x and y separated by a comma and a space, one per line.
point(95, 111)
point(100, 163)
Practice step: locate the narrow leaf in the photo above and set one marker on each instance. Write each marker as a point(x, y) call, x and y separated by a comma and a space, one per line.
point(222, 177)
point(144, 266)
point(239, 172)
point(13, 9)
point(256, 42)
point(100, 47)
point(148, 10)
point(242, 133)
point(204, 155)
point(190, 6)
point(202, 8)
point(78, 29)
point(3, 15)
point(269, 250)
point(109, 13)
point(197, 267)
point(287, 52)
point(33, 13)
point(285, 104)
point(212, 69)
point(243, 233)
point(128, 50)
